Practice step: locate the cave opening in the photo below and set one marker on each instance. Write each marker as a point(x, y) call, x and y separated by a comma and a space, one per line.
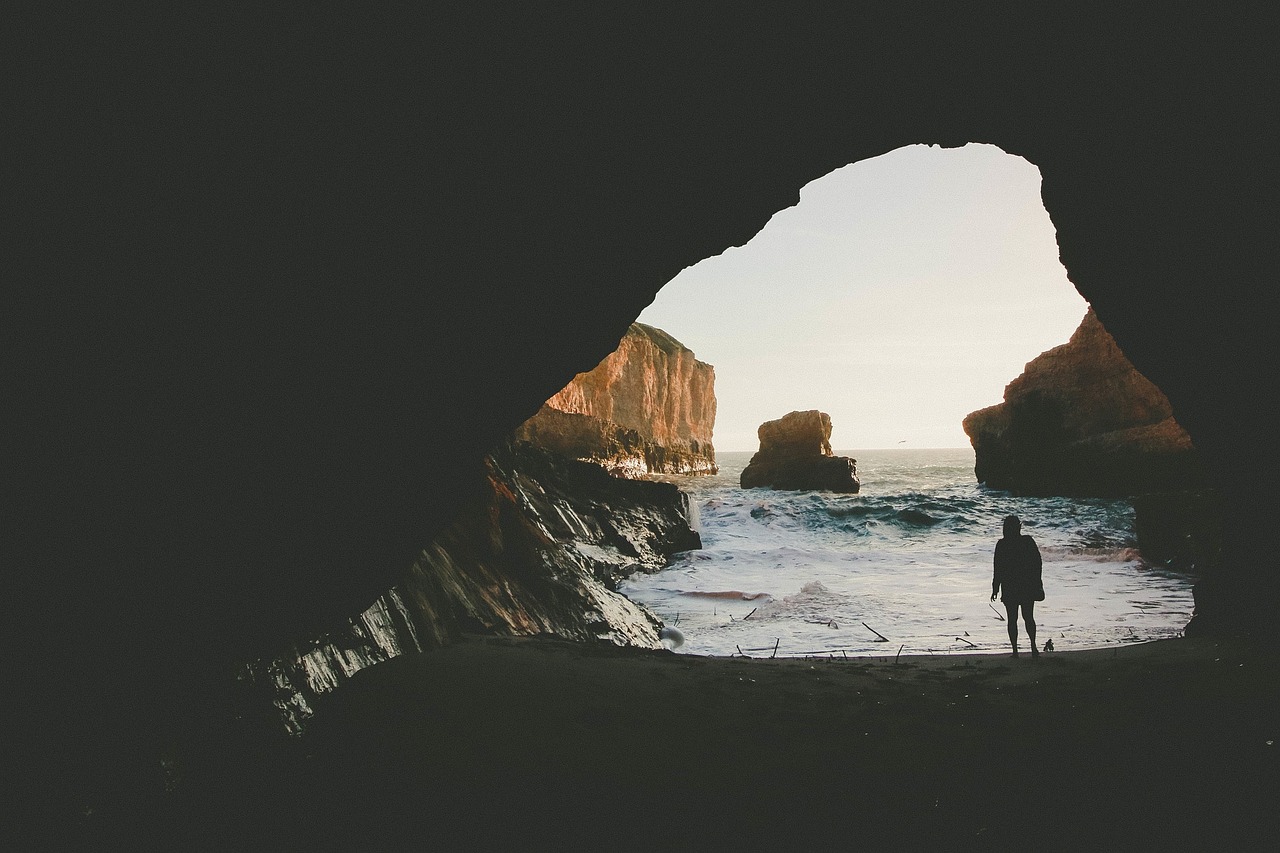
point(901, 294)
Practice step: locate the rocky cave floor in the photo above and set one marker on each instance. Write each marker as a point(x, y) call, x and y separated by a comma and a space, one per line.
point(529, 744)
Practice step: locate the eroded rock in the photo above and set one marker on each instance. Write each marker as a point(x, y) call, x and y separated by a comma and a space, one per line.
point(541, 553)
point(648, 408)
point(1082, 421)
point(795, 453)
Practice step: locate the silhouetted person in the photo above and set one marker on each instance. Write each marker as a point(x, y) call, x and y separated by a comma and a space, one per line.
point(1017, 580)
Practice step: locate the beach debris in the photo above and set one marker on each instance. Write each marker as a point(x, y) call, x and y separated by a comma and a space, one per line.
point(1048, 645)
point(963, 640)
point(883, 638)
point(776, 641)
point(748, 616)
point(996, 612)
point(900, 648)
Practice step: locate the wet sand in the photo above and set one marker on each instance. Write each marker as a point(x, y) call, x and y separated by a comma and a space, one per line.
point(530, 744)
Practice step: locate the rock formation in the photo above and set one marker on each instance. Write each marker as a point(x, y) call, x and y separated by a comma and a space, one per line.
point(1082, 421)
point(544, 548)
point(540, 553)
point(273, 309)
point(795, 453)
point(648, 408)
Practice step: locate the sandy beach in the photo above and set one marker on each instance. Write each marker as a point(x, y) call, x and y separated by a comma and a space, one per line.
point(539, 744)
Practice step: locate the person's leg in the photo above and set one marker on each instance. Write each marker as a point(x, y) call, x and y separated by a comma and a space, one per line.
point(1029, 616)
point(1012, 611)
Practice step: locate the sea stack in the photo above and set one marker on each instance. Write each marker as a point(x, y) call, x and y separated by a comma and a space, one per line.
point(795, 453)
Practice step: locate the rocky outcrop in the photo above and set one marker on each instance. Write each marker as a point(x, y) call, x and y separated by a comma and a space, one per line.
point(648, 408)
point(795, 453)
point(555, 531)
point(541, 553)
point(1082, 421)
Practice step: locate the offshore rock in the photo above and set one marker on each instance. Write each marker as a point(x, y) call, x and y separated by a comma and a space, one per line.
point(1081, 421)
point(795, 453)
point(541, 553)
point(648, 408)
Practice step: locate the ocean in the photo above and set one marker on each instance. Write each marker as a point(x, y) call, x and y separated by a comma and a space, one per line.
point(908, 559)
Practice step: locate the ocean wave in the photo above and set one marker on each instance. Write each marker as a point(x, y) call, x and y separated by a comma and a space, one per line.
point(857, 511)
point(814, 603)
point(916, 518)
point(1097, 554)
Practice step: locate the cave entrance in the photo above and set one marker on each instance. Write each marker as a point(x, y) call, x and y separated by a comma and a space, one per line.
point(899, 295)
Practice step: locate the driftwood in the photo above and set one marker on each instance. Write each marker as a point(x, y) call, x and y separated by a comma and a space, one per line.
point(748, 616)
point(883, 638)
point(899, 654)
point(963, 640)
point(997, 612)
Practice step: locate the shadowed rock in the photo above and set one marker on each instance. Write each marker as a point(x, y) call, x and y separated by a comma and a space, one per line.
point(1082, 421)
point(795, 453)
point(539, 553)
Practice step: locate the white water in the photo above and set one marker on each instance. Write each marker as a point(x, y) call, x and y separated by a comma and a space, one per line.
point(909, 556)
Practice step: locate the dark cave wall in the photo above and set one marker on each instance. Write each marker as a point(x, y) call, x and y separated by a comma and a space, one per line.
point(284, 276)
point(541, 554)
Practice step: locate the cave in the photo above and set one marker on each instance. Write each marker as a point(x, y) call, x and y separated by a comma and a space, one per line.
point(283, 277)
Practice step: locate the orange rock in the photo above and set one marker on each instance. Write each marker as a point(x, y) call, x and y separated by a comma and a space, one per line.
point(648, 408)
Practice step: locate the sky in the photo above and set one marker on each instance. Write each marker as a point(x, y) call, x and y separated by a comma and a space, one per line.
point(899, 294)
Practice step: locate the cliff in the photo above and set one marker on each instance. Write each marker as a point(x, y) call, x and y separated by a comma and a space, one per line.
point(795, 453)
point(540, 553)
point(648, 408)
point(1082, 421)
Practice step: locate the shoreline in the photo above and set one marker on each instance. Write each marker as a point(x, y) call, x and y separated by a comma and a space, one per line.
point(531, 741)
point(909, 557)
point(839, 656)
